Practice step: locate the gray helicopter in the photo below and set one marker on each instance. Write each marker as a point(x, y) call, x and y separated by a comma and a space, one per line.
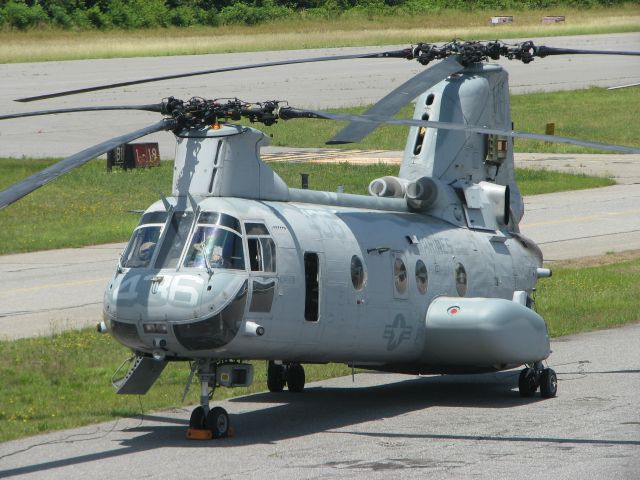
point(428, 274)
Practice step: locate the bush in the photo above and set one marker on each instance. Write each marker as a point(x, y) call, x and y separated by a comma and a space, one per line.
point(138, 13)
point(21, 16)
point(240, 13)
point(184, 16)
point(60, 17)
point(97, 18)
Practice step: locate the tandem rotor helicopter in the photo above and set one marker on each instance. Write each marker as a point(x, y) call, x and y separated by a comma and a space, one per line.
point(429, 274)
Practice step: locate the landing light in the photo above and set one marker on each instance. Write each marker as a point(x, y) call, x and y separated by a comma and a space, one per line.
point(155, 327)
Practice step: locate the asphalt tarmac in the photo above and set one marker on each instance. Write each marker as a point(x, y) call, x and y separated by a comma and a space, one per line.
point(380, 427)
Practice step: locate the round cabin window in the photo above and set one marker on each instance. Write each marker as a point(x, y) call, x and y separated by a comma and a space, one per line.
point(422, 278)
point(400, 276)
point(358, 275)
point(461, 280)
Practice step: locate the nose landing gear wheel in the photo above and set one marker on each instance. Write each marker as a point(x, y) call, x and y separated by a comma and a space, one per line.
point(527, 383)
point(548, 383)
point(218, 422)
point(197, 418)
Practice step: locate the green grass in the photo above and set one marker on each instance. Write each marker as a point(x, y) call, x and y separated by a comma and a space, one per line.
point(90, 206)
point(595, 114)
point(538, 181)
point(305, 31)
point(63, 381)
point(580, 299)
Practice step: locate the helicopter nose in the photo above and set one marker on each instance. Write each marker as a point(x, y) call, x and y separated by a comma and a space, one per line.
point(169, 311)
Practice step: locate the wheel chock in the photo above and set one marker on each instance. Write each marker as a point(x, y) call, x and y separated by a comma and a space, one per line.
point(199, 434)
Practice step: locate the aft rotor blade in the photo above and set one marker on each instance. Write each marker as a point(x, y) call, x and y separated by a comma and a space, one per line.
point(377, 120)
point(393, 102)
point(148, 108)
point(387, 54)
point(28, 185)
point(543, 51)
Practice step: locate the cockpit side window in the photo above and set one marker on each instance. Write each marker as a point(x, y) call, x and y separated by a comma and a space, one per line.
point(141, 246)
point(262, 249)
point(222, 247)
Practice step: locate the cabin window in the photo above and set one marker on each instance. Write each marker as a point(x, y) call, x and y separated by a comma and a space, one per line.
point(461, 279)
point(216, 247)
point(422, 278)
point(141, 246)
point(399, 277)
point(358, 275)
point(312, 286)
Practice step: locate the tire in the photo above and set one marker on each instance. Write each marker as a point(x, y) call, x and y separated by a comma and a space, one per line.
point(276, 379)
point(295, 377)
point(527, 383)
point(218, 422)
point(548, 383)
point(197, 418)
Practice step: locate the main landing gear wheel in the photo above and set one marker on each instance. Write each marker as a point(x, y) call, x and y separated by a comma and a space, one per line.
point(276, 377)
point(295, 377)
point(532, 378)
point(218, 422)
point(548, 383)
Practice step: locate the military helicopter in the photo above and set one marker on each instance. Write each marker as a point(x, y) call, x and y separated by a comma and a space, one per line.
point(429, 274)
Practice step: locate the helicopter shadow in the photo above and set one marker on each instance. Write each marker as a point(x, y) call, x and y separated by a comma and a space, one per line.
point(286, 415)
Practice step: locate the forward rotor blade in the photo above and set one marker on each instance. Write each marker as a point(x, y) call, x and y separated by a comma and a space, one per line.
point(393, 102)
point(387, 54)
point(148, 108)
point(543, 51)
point(377, 120)
point(28, 185)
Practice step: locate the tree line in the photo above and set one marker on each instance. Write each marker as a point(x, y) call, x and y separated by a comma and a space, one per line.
point(136, 14)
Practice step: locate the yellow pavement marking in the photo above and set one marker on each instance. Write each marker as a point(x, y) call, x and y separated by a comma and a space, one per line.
point(13, 291)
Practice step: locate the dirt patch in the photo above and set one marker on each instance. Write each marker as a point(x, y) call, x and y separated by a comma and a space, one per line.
point(598, 260)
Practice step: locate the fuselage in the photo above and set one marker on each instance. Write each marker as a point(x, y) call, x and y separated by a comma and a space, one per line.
point(325, 284)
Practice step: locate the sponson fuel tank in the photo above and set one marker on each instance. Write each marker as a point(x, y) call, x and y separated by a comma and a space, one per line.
point(477, 331)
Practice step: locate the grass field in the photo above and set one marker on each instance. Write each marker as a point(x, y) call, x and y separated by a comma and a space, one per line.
point(311, 32)
point(63, 381)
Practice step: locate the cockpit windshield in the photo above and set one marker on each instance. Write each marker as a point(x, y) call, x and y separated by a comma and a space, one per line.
point(215, 242)
point(221, 246)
